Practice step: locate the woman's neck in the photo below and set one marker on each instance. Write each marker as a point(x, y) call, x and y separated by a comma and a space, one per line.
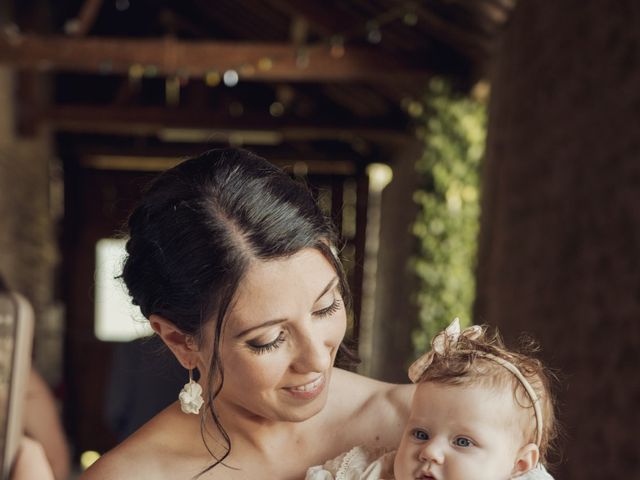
point(260, 434)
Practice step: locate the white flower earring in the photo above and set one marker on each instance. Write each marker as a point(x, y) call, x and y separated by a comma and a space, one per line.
point(191, 396)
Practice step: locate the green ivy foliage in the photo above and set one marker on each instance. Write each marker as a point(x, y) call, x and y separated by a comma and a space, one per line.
point(453, 128)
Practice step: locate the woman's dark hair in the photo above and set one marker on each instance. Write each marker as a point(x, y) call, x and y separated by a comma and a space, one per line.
point(197, 228)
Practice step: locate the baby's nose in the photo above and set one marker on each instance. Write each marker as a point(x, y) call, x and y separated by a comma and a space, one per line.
point(431, 452)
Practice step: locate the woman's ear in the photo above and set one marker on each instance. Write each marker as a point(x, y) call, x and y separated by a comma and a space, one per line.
point(181, 344)
point(527, 459)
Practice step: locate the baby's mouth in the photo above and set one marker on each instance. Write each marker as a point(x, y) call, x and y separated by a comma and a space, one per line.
point(426, 476)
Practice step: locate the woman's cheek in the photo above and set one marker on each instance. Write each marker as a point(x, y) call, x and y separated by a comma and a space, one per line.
point(340, 329)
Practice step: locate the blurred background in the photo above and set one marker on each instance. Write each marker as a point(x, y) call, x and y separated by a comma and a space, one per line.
point(481, 159)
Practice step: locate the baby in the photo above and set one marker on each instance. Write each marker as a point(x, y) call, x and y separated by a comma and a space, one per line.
point(479, 412)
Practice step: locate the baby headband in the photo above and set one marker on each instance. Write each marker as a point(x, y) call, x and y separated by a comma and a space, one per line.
point(450, 336)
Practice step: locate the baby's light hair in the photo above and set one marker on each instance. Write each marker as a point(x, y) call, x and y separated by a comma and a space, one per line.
point(468, 361)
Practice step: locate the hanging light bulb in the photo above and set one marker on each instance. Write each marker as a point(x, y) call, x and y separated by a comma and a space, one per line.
point(276, 109)
point(265, 64)
point(212, 78)
point(230, 78)
point(136, 71)
point(374, 35)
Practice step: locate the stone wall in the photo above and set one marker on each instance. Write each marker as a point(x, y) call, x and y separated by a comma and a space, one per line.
point(560, 237)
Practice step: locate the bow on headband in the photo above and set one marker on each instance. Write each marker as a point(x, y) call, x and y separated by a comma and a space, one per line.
point(448, 338)
point(440, 344)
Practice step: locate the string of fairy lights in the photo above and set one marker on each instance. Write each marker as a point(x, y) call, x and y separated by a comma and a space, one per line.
point(336, 44)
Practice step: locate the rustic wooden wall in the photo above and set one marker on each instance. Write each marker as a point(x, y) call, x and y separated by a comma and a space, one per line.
point(560, 241)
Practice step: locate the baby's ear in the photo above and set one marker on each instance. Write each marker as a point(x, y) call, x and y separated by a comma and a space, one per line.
point(527, 459)
point(181, 344)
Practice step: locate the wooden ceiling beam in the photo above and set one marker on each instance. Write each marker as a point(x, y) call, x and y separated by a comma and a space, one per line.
point(314, 166)
point(172, 125)
point(174, 57)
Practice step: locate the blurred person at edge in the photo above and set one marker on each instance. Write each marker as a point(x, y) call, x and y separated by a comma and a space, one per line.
point(43, 451)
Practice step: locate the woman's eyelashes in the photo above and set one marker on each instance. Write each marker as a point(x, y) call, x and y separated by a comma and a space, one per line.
point(330, 310)
point(257, 347)
point(267, 347)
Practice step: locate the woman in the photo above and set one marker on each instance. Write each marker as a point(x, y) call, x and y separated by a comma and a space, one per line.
point(232, 263)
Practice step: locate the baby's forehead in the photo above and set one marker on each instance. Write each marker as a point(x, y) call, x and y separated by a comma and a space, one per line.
point(473, 405)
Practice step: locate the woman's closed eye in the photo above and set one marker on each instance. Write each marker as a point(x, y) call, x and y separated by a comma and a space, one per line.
point(259, 348)
point(330, 310)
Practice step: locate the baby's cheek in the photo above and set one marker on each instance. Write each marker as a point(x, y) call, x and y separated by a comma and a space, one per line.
point(402, 464)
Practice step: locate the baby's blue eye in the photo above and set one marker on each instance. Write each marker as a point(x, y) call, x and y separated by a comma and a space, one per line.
point(420, 435)
point(462, 442)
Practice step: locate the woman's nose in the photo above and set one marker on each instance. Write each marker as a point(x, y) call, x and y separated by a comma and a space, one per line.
point(432, 452)
point(313, 354)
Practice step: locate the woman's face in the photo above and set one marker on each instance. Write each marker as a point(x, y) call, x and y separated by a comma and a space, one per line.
point(281, 338)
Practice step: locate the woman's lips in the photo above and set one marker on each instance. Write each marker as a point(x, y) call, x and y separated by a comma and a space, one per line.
point(308, 390)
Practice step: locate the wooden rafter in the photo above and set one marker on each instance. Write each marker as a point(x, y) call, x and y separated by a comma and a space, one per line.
point(174, 57)
point(190, 126)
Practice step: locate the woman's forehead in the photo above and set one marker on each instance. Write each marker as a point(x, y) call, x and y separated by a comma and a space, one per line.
point(269, 285)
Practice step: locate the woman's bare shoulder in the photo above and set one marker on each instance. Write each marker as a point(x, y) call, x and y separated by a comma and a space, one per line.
point(378, 408)
point(371, 391)
point(151, 452)
point(124, 461)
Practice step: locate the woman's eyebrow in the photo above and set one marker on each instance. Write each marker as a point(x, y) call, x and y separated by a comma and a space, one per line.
point(330, 285)
point(262, 325)
point(276, 321)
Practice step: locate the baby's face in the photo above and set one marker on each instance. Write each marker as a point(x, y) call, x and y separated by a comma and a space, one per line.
point(459, 433)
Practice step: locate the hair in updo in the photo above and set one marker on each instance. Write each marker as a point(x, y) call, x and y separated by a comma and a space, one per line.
point(198, 227)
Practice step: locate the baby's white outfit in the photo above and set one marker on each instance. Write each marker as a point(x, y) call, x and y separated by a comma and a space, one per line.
point(361, 463)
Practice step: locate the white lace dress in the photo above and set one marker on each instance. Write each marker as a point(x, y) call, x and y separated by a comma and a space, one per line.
point(361, 463)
